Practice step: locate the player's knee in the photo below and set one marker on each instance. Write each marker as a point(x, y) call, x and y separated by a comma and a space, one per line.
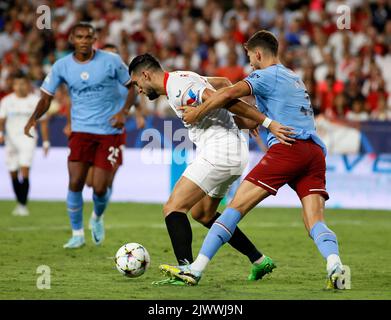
point(173, 206)
point(202, 216)
point(76, 184)
point(100, 191)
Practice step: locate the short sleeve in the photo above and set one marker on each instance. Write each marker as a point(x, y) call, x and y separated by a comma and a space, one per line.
point(121, 71)
point(260, 82)
point(52, 80)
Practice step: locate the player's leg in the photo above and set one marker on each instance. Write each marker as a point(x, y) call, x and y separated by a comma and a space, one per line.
point(100, 197)
point(16, 187)
point(77, 175)
point(205, 212)
point(272, 172)
point(90, 177)
point(311, 189)
point(325, 239)
point(186, 193)
point(247, 197)
point(24, 190)
point(106, 157)
point(12, 164)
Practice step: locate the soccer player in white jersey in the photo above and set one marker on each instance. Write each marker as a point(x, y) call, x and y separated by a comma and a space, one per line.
point(222, 155)
point(15, 110)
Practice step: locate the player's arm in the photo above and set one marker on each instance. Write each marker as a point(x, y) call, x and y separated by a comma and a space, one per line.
point(219, 82)
point(41, 108)
point(119, 119)
point(229, 98)
point(222, 82)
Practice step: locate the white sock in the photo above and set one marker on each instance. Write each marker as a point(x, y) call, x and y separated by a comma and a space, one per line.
point(259, 260)
point(332, 260)
point(200, 263)
point(95, 217)
point(79, 232)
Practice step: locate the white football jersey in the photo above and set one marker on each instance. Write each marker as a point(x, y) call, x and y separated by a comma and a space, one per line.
point(185, 88)
point(17, 112)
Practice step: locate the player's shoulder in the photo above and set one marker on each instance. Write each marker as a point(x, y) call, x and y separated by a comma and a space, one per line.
point(261, 73)
point(109, 56)
point(184, 78)
point(58, 64)
point(8, 98)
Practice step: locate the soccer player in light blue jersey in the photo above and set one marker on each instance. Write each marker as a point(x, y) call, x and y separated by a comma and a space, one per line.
point(98, 114)
point(281, 95)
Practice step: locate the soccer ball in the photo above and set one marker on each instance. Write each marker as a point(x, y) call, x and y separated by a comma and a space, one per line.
point(132, 260)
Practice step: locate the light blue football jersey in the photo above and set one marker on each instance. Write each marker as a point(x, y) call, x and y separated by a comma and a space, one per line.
point(282, 96)
point(94, 88)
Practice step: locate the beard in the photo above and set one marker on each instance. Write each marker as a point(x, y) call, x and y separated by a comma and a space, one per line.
point(152, 95)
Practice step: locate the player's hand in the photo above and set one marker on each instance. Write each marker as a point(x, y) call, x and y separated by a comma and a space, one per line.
point(1, 139)
point(118, 120)
point(189, 115)
point(140, 121)
point(67, 130)
point(282, 133)
point(27, 129)
point(254, 132)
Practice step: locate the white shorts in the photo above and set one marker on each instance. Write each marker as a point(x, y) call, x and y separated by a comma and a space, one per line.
point(19, 152)
point(215, 177)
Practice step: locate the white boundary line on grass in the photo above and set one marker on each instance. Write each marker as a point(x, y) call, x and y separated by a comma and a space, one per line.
point(163, 226)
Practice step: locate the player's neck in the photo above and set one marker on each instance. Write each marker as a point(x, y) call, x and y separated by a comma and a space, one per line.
point(21, 95)
point(84, 57)
point(159, 82)
point(270, 62)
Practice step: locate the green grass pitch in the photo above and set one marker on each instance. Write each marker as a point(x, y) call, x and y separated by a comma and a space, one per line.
point(89, 273)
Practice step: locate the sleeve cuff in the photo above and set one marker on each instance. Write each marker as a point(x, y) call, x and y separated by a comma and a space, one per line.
point(47, 92)
point(250, 86)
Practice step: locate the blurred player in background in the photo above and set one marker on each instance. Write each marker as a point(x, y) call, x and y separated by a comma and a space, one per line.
point(281, 95)
point(15, 109)
point(93, 78)
point(140, 123)
point(222, 155)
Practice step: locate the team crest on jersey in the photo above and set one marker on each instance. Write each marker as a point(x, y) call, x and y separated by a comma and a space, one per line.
point(84, 75)
point(193, 98)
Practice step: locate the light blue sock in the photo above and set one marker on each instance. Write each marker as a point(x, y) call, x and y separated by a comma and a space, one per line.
point(109, 192)
point(220, 232)
point(325, 239)
point(75, 209)
point(100, 203)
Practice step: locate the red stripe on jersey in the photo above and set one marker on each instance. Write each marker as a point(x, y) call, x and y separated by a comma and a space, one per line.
point(166, 75)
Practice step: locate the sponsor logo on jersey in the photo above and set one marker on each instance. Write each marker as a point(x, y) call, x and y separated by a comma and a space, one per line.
point(84, 75)
point(193, 98)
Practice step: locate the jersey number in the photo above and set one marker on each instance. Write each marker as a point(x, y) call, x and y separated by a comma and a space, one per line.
point(113, 155)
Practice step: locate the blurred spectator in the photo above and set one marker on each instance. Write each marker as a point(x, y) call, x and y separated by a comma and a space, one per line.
point(357, 113)
point(232, 70)
point(382, 112)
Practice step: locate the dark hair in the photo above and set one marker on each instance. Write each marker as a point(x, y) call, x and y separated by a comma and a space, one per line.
point(264, 39)
point(109, 46)
point(146, 61)
point(19, 75)
point(83, 25)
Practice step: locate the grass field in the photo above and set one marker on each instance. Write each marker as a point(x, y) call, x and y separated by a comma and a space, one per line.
point(89, 273)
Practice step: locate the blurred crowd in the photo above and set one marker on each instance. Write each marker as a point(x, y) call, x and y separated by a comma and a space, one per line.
point(347, 71)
